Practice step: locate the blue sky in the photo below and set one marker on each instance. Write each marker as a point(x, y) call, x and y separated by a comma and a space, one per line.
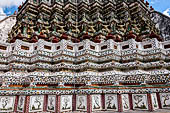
point(10, 10)
point(8, 7)
point(160, 5)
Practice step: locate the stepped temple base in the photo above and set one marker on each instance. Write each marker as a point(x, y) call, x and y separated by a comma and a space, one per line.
point(84, 56)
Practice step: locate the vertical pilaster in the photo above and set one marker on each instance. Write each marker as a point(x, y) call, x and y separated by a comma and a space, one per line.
point(103, 102)
point(58, 103)
point(74, 102)
point(130, 101)
point(150, 107)
point(16, 103)
point(89, 104)
point(159, 100)
point(27, 102)
point(120, 107)
point(45, 102)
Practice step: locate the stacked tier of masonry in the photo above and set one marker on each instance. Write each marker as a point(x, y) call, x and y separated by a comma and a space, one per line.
point(125, 63)
point(97, 20)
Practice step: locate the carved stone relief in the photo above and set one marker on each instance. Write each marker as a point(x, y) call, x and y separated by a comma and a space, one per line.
point(21, 103)
point(165, 100)
point(66, 103)
point(51, 106)
point(140, 102)
point(36, 103)
point(111, 102)
point(125, 102)
point(7, 103)
point(81, 103)
point(96, 102)
point(154, 101)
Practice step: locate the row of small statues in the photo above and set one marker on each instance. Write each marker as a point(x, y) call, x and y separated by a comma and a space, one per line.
point(76, 30)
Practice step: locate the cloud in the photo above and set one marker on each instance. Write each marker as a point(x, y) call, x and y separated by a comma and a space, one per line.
point(8, 3)
point(167, 12)
point(154, 1)
point(2, 14)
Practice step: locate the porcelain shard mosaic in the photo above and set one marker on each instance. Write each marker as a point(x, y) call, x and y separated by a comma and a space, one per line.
point(84, 56)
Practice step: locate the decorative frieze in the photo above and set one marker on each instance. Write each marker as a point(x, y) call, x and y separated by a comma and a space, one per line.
point(43, 77)
point(64, 103)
